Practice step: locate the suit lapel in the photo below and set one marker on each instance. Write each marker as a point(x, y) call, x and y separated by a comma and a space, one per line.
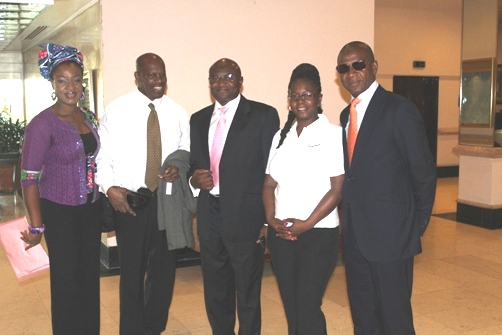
point(205, 122)
point(344, 116)
point(241, 118)
point(373, 111)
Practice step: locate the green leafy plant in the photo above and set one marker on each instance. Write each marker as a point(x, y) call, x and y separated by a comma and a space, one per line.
point(11, 133)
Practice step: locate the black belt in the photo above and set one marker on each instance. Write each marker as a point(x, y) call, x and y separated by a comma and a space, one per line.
point(146, 192)
point(214, 197)
point(140, 199)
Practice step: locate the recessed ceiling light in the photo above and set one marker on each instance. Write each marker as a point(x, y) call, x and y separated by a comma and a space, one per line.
point(17, 15)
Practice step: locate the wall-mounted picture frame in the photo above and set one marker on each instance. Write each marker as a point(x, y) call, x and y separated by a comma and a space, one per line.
point(88, 101)
point(498, 87)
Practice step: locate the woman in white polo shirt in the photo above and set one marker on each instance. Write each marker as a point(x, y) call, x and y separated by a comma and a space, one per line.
point(302, 188)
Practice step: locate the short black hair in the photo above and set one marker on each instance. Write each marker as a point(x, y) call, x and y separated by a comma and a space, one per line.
point(306, 71)
point(303, 71)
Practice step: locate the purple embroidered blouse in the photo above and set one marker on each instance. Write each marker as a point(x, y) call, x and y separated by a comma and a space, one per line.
point(54, 157)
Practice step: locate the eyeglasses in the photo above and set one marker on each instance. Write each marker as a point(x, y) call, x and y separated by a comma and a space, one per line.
point(304, 96)
point(226, 77)
point(358, 65)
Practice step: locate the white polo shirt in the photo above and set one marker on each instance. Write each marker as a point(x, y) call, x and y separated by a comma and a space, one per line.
point(302, 168)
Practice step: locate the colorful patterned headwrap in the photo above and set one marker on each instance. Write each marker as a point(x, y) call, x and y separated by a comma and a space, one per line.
point(53, 54)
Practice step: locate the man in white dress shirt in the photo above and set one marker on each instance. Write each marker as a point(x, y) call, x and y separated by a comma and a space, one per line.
point(144, 304)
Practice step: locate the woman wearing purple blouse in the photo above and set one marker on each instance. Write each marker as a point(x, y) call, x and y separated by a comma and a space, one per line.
point(58, 167)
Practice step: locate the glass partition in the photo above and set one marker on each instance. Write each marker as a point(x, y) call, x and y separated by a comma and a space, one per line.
point(11, 98)
point(478, 85)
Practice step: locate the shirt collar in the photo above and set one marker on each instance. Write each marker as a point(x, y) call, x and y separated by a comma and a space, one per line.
point(147, 101)
point(368, 94)
point(231, 105)
point(365, 99)
point(316, 124)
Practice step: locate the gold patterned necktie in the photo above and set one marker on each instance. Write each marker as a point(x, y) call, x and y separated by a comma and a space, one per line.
point(153, 149)
point(352, 132)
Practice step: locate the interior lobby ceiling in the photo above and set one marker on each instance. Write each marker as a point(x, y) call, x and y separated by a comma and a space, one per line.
point(45, 20)
point(15, 18)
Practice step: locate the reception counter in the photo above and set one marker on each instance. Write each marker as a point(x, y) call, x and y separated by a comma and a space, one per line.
point(479, 186)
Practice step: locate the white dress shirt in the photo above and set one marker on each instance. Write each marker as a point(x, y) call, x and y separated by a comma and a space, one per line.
point(302, 168)
point(232, 108)
point(361, 107)
point(122, 130)
point(229, 115)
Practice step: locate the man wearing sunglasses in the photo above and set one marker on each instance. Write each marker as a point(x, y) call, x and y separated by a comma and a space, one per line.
point(387, 197)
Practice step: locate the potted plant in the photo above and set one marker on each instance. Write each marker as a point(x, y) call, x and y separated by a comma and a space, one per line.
point(11, 133)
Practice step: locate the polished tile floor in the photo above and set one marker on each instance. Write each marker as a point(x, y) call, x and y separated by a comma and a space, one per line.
point(457, 287)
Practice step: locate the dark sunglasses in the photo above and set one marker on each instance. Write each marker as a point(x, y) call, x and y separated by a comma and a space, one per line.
point(358, 65)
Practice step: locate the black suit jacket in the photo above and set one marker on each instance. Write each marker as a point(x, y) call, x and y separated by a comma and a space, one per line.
point(242, 168)
point(389, 189)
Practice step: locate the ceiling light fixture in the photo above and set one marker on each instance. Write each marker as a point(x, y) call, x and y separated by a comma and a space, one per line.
point(16, 16)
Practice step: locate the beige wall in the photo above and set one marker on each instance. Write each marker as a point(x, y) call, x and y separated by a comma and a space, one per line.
point(433, 35)
point(480, 35)
point(266, 38)
point(12, 65)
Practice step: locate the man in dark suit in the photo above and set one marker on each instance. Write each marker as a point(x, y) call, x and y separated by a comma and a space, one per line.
point(387, 197)
point(231, 217)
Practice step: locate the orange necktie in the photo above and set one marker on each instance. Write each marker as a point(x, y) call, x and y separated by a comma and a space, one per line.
point(352, 133)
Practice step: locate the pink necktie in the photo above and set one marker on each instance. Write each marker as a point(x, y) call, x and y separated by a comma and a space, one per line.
point(352, 133)
point(217, 146)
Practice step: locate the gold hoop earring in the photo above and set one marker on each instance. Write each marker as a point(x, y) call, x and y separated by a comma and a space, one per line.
point(53, 96)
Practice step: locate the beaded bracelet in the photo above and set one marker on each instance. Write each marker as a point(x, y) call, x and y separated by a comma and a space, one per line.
point(36, 230)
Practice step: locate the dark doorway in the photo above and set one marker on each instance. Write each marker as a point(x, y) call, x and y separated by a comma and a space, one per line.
point(424, 92)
